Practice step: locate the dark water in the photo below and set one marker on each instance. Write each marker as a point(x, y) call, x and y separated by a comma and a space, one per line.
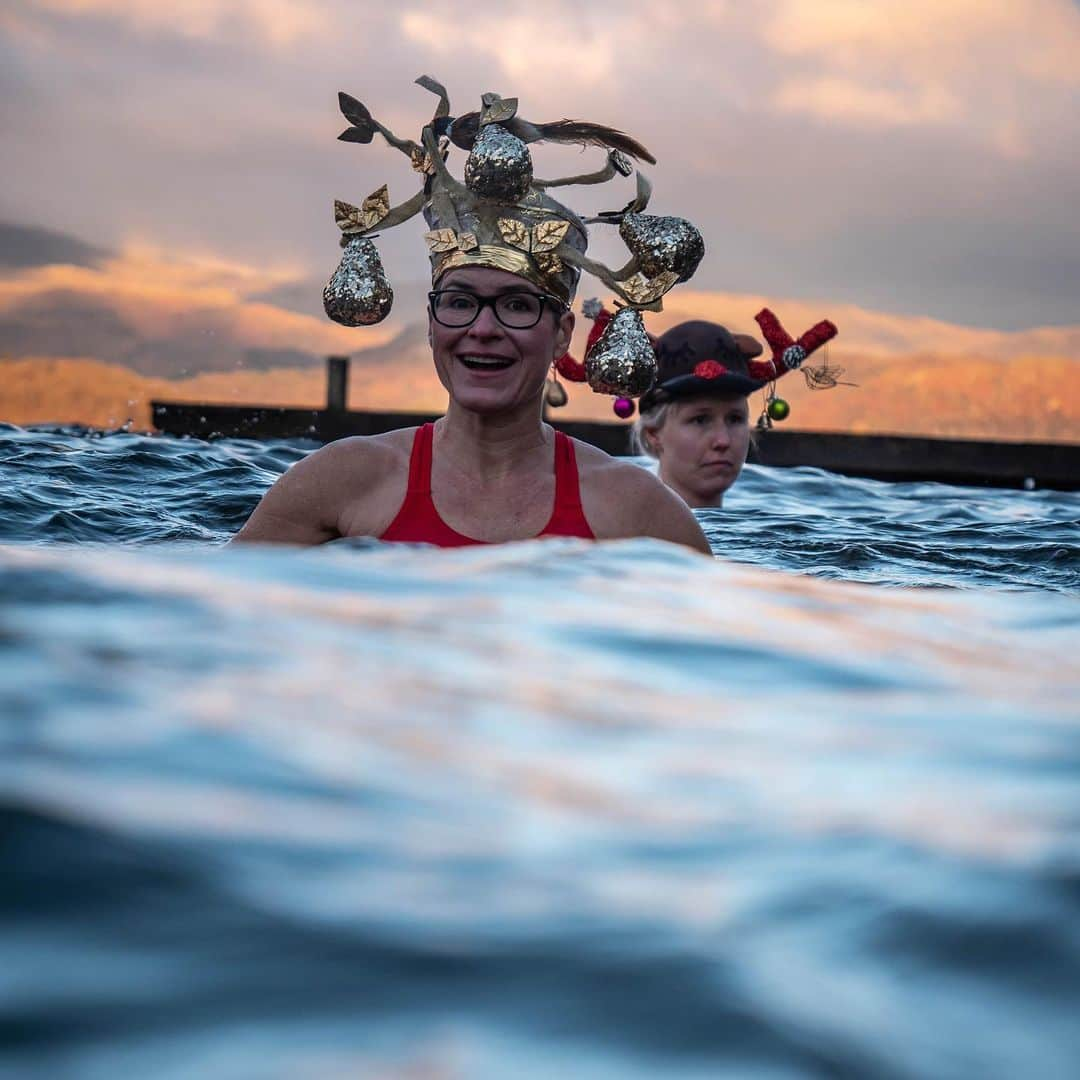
point(80, 487)
point(605, 810)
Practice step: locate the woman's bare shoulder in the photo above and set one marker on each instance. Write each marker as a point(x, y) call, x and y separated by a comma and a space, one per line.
point(601, 473)
point(622, 499)
point(370, 456)
point(595, 462)
point(334, 491)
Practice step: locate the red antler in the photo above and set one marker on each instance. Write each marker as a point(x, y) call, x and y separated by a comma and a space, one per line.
point(570, 369)
point(787, 353)
point(574, 370)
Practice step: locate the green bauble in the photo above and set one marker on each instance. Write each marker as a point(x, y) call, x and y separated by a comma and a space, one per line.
point(778, 409)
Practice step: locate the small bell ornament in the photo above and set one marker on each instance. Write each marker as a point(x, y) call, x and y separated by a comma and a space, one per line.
point(554, 394)
point(622, 362)
point(499, 166)
point(663, 244)
point(358, 293)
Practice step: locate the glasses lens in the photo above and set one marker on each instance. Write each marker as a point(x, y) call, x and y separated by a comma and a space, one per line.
point(519, 310)
point(455, 308)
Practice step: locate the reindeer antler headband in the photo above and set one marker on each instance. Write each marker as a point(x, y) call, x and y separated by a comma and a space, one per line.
point(502, 216)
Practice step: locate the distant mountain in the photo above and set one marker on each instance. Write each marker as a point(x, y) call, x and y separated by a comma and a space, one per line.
point(1022, 398)
point(973, 397)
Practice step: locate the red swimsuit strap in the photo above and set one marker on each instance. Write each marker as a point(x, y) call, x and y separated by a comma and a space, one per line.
point(567, 484)
point(420, 460)
point(567, 515)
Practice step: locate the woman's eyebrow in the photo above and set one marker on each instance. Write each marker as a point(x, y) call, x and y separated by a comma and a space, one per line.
point(500, 290)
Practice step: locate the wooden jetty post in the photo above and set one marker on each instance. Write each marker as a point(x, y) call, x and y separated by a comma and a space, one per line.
point(337, 383)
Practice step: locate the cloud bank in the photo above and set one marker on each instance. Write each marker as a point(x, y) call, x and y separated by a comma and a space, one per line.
point(910, 157)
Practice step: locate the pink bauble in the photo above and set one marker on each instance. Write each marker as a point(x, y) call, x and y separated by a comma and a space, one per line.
point(624, 408)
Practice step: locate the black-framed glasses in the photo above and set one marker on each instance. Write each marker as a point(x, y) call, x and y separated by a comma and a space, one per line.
point(515, 310)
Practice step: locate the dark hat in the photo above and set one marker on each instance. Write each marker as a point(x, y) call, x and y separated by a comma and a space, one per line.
point(702, 358)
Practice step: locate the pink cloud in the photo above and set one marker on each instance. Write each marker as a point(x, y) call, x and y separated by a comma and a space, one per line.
point(276, 23)
point(973, 64)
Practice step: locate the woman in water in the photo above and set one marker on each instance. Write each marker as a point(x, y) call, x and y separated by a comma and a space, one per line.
point(490, 470)
point(696, 419)
point(505, 262)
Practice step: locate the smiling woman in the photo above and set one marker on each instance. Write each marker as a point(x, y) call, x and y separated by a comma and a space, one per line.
point(506, 259)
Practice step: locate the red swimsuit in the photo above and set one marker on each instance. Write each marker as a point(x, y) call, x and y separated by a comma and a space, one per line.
point(418, 521)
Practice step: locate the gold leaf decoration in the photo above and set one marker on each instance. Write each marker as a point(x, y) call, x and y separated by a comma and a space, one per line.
point(349, 218)
point(421, 161)
point(549, 263)
point(497, 110)
point(376, 206)
point(548, 235)
point(643, 290)
point(515, 233)
point(467, 241)
point(440, 240)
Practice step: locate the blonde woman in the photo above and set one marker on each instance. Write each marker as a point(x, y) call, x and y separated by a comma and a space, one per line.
point(696, 419)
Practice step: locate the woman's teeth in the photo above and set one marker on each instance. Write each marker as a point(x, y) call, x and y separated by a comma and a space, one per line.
point(487, 363)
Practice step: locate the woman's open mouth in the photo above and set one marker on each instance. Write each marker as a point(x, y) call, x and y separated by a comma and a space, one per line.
point(485, 363)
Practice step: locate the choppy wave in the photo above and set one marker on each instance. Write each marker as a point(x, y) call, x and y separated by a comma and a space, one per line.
point(610, 810)
point(83, 487)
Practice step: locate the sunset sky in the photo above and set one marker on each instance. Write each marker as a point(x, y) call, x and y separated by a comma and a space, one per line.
point(169, 169)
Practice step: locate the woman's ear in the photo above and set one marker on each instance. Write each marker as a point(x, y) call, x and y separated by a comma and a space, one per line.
point(431, 343)
point(564, 333)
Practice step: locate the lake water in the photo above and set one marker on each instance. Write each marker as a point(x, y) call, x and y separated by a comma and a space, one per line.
point(605, 810)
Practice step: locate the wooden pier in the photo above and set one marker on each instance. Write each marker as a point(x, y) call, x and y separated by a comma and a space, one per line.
point(880, 457)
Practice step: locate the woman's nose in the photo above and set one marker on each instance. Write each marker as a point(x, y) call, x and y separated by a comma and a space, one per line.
point(721, 436)
point(485, 325)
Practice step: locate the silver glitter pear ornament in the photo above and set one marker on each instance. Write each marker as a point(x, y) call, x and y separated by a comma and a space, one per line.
point(663, 244)
point(499, 166)
point(622, 361)
point(358, 294)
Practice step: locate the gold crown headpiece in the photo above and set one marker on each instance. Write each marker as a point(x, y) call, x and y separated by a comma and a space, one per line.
point(502, 216)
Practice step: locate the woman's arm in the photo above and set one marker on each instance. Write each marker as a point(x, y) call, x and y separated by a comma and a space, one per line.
point(302, 507)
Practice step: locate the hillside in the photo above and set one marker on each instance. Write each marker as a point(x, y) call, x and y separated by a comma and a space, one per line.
point(1025, 398)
